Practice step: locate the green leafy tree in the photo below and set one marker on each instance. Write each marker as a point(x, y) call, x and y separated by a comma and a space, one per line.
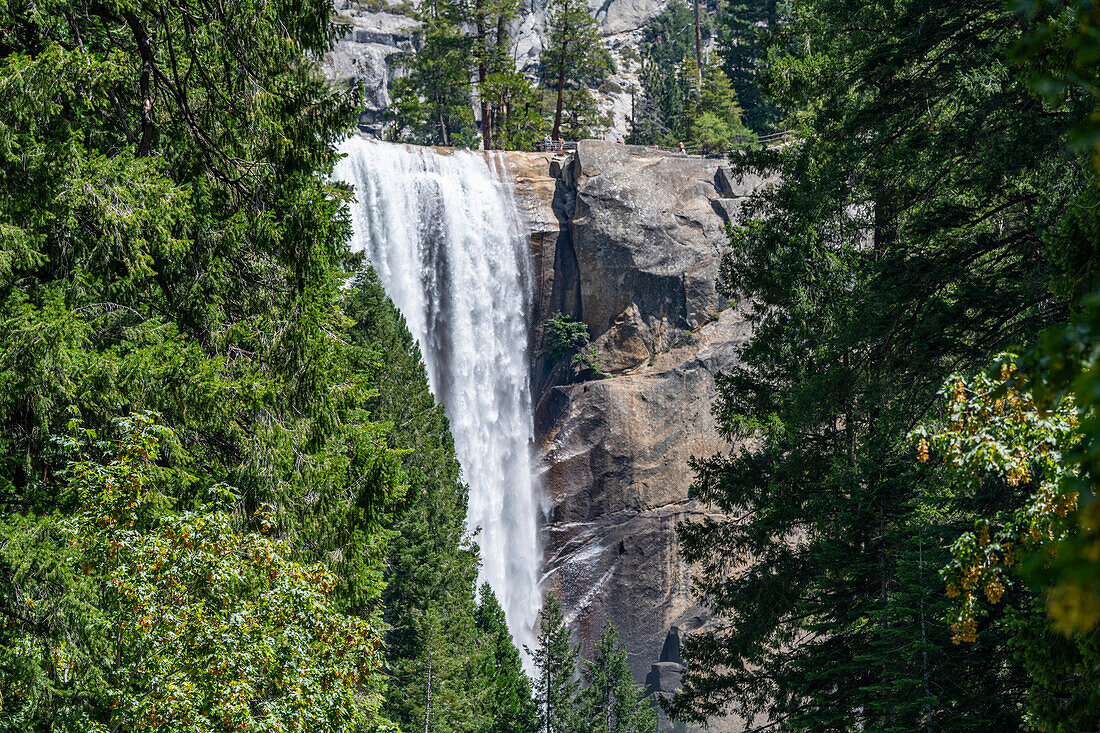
point(432, 103)
point(131, 617)
point(710, 117)
point(566, 342)
point(1061, 51)
point(908, 239)
point(172, 244)
point(509, 705)
point(574, 54)
point(609, 701)
point(747, 29)
point(993, 431)
point(555, 659)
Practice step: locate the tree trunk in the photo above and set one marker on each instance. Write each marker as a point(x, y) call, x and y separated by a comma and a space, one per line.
point(561, 90)
point(428, 700)
point(698, 52)
point(482, 79)
point(141, 37)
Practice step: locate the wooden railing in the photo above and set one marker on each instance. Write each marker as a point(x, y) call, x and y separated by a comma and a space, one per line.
point(740, 143)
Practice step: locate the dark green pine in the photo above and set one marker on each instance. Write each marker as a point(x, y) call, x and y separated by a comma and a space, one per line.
point(909, 237)
point(555, 681)
point(431, 562)
point(509, 707)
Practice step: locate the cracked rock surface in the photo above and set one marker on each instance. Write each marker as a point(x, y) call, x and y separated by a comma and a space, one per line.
point(629, 240)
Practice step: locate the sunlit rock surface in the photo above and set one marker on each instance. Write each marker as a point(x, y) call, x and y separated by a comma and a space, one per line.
point(630, 241)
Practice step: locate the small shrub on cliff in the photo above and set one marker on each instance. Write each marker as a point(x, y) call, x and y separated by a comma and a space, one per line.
point(567, 343)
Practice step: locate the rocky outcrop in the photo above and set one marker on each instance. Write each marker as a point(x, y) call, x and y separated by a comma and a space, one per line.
point(364, 56)
point(635, 255)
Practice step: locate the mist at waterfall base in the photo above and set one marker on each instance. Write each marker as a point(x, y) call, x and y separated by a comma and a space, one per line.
point(449, 246)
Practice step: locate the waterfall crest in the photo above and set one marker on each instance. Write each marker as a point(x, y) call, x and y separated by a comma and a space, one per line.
point(448, 243)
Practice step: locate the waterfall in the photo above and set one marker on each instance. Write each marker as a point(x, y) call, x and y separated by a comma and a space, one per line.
point(444, 235)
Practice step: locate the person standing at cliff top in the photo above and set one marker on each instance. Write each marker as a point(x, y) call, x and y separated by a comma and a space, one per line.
point(682, 151)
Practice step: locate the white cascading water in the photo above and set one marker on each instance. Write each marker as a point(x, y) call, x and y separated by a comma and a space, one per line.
point(444, 235)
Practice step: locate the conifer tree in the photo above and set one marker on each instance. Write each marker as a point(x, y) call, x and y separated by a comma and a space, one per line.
point(555, 659)
point(431, 562)
point(511, 107)
point(509, 707)
point(574, 53)
point(609, 700)
point(746, 28)
point(911, 235)
point(432, 103)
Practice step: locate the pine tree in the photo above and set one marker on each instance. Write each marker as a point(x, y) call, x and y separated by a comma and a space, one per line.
point(746, 28)
point(432, 104)
point(509, 707)
point(574, 53)
point(609, 701)
point(510, 102)
point(909, 237)
point(555, 658)
point(665, 44)
point(431, 562)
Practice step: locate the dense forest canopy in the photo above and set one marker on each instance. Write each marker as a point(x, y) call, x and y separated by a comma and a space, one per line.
point(894, 535)
point(229, 501)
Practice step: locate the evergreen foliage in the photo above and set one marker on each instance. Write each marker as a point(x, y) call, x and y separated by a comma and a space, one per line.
point(169, 244)
point(911, 235)
point(432, 103)
point(746, 26)
point(609, 701)
point(567, 342)
point(668, 40)
point(463, 51)
point(574, 57)
point(555, 659)
point(431, 562)
point(509, 705)
point(675, 107)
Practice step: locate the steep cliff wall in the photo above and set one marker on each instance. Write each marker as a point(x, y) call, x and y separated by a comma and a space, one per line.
point(630, 242)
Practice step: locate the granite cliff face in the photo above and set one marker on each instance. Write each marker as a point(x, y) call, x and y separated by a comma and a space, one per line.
point(629, 240)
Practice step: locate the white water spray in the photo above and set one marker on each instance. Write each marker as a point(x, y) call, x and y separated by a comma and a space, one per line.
point(448, 243)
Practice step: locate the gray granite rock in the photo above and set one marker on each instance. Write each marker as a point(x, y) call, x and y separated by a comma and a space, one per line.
point(636, 257)
point(364, 56)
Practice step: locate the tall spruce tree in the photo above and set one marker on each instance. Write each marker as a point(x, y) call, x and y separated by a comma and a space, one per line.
point(431, 562)
point(574, 54)
point(609, 701)
point(912, 234)
point(555, 659)
point(509, 707)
